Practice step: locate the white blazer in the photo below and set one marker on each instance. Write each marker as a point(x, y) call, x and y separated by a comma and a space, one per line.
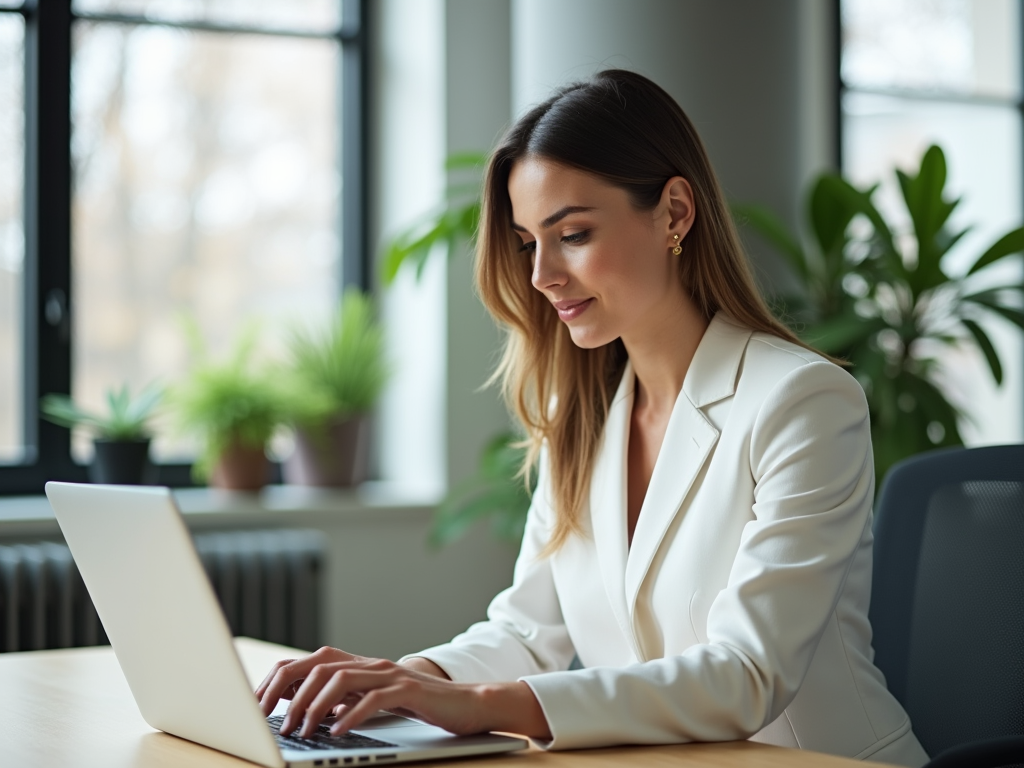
point(740, 610)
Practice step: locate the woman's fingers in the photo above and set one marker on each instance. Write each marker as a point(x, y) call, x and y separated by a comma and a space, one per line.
point(389, 698)
point(355, 689)
point(261, 689)
point(344, 685)
point(331, 684)
point(288, 674)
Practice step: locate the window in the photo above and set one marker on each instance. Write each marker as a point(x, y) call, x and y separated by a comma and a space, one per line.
point(211, 172)
point(12, 236)
point(946, 72)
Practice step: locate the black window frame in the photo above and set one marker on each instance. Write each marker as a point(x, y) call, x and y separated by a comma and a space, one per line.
point(48, 299)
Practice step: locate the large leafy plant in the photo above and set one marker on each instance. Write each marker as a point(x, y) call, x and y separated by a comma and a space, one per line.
point(884, 299)
point(340, 371)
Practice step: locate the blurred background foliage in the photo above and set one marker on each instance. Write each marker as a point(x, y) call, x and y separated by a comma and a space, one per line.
point(882, 299)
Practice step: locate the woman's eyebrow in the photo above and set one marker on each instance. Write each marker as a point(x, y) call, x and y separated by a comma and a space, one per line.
point(556, 217)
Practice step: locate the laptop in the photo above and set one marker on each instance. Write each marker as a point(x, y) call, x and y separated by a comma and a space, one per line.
point(174, 646)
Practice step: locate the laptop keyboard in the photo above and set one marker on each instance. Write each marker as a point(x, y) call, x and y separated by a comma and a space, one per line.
point(322, 739)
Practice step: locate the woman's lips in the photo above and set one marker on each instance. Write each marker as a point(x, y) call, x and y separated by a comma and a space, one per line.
point(571, 308)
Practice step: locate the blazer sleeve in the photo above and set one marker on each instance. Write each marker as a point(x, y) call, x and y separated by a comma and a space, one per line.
point(524, 633)
point(810, 458)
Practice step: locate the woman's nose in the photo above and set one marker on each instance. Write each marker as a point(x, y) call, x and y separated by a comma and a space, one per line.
point(548, 270)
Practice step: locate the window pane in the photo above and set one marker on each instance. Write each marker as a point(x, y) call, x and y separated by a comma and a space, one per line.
point(206, 186)
point(12, 238)
point(949, 45)
point(983, 153)
point(310, 15)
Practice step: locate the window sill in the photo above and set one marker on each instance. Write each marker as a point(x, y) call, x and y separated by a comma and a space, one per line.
point(27, 516)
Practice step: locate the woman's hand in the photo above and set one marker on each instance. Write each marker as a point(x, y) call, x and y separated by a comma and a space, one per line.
point(353, 688)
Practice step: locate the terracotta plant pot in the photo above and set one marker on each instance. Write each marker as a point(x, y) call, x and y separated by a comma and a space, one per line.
point(241, 468)
point(119, 462)
point(333, 457)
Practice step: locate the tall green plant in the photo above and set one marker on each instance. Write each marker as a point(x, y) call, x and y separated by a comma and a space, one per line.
point(883, 299)
point(340, 371)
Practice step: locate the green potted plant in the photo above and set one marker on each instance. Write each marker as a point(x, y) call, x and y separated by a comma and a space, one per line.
point(335, 379)
point(234, 406)
point(120, 437)
point(883, 299)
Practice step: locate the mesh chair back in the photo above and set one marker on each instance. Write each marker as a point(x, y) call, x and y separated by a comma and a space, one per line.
point(947, 600)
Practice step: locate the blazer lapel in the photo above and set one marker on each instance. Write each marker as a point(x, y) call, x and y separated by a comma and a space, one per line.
point(689, 440)
point(608, 503)
point(687, 445)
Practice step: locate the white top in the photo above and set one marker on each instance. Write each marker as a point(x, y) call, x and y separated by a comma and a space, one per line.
point(740, 610)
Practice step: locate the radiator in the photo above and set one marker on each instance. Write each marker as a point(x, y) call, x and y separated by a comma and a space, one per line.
point(268, 584)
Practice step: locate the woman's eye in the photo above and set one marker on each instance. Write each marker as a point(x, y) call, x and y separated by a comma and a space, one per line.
point(529, 247)
point(576, 237)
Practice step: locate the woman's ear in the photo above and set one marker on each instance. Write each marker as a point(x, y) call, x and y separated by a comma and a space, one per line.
point(677, 199)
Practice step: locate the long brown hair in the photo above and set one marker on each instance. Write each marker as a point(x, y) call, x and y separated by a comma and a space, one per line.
point(625, 129)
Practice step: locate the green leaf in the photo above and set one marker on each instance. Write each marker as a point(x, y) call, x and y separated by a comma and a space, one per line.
point(126, 419)
point(775, 232)
point(838, 334)
point(1012, 314)
point(923, 195)
point(990, 300)
point(830, 213)
point(1010, 243)
point(987, 348)
point(860, 201)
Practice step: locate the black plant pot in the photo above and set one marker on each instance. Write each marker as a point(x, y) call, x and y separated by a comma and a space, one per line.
point(119, 462)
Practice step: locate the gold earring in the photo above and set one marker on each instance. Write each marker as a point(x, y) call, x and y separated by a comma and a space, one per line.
point(678, 249)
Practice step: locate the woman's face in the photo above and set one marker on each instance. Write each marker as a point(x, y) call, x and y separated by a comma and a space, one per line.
point(606, 268)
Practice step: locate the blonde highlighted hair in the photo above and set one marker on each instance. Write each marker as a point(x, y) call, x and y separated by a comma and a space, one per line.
point(625, 129)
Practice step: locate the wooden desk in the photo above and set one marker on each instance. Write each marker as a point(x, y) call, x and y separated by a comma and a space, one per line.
point(74, 708)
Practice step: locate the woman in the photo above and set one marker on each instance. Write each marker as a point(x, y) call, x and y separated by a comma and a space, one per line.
point(700, 534)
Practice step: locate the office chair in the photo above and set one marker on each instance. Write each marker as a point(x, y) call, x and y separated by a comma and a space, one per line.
point(947, 601)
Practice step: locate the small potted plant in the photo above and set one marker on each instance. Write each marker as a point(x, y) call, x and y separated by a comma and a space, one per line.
point(336, 377)
point(235, 408)
point(121, 437)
